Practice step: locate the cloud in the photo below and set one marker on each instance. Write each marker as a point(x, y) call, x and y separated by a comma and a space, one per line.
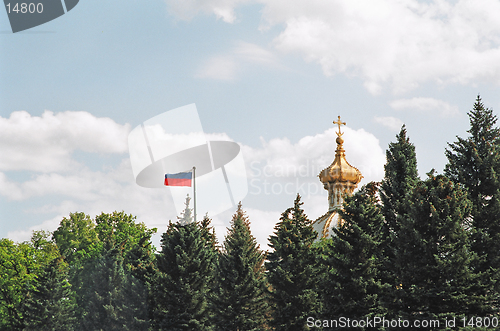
point(279, 161)
point(397, 43)
point(393, 123)
point(219, 67)
point(306, 158)
point(254, 53)
point(389, 44)
point(226, 67)
point(420, 104)
point(187, 9)
point(45, 143)
point(92, 193)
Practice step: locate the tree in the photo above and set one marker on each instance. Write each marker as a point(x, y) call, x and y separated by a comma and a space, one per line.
point(182, 285)
point(187, 214)
point(81, 239)
point(400, 178)
point(350, 284)
point(432, 256)
point(114, 300)
point(84, 241)
point(474, 162)
point(292, 271)
point(239, 299)
point(51, 305)
point(119, 229)
point(77, 239)
point(20, 266)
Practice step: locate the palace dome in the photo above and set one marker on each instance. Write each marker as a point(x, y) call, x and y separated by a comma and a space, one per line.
point(340, 170)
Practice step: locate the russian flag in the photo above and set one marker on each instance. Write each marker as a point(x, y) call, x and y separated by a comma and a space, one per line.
point(180, 179)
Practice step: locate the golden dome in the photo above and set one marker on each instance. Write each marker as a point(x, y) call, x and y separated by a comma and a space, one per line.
point(340, 170)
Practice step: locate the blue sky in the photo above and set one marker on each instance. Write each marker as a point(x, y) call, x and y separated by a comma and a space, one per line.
point(269, 75)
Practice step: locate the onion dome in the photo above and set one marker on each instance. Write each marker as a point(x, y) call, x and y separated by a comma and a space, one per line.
point(339, 179)
point(340, 170)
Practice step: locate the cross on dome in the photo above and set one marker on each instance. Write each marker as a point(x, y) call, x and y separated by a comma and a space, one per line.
point(339, 123)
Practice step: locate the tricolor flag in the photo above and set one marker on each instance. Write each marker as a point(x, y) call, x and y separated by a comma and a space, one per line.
point(180, 179)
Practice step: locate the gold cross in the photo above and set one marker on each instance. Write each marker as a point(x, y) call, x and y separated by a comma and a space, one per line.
point(339, 123)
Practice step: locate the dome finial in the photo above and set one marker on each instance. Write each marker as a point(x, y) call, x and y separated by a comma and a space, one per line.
point(339, 123)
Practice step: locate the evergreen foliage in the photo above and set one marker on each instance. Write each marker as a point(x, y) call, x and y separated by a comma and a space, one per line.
point(474, 162)
point(187, 214)
point(432, 258)
point(239, 299)
point(185, 276)
point(114, 300)
point(350, 285)
point(51, 305)
point(407, 249)
point(399, 180)
point(400, 177)
point(208, 233)
point(292, 272)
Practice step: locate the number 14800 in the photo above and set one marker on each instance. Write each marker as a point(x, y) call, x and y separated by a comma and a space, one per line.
point(24, 8)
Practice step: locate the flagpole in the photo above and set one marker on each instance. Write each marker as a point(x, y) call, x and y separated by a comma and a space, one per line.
point(194, 192)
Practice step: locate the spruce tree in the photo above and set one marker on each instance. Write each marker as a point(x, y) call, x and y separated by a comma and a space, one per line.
point(432, 257)
point(350, 284)
point(474, 162)
point(239, 299)
point(292, 270)
point(182, 285)
point(400, 178)
point(208, 233)
point(51, 305)
point(114, 300)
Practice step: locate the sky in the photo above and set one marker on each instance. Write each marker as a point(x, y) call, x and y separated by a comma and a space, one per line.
point(270, 75)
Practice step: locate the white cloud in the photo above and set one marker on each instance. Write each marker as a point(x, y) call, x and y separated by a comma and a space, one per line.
point(226, 67)
point(262, 225)
point(395, 44)
point(219, 67)
point(93, 192)
point(420, 104)
point(254, 53)
point(187, 9)
point(393, 123)
point(398, 43)
point(307, 157)
point(45, 143)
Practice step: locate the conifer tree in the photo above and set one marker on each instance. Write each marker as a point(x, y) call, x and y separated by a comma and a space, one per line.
point(51, 305)
point(208, 233)
point(432, 257)
point(114, 299)
point(475, 163)
point(292, 271)
point(400, 178)
point(350, 286)
point(239, 299)
point(185, 275)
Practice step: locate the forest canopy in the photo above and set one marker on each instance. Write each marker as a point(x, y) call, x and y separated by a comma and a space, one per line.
point(408, 248)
